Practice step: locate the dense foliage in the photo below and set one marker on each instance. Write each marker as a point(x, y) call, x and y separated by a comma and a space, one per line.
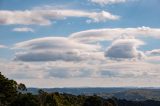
point(8, 90)
point(12, 94)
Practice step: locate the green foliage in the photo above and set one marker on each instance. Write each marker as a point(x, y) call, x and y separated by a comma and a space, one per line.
point(8, 90)
point(93, 101)
point(22, 87)
point(26, 100)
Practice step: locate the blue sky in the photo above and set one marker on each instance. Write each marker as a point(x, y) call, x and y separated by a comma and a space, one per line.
point(101, 33)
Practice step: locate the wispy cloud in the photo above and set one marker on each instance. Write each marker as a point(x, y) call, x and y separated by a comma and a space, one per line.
point(153, 52)
point(105, 2)
point(23, 29)
point(35, 73)
point(46, 16)
point(3, 46)
point(95, 35)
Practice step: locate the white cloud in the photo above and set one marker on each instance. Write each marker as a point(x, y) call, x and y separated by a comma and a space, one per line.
point(21, 70)
point(128, 69)
point(74, 61)
point(60, 74)
point(61, 43)
point(105, 2)
point(22, 17)
point(153, 56)
point(95, 35)
point(153, 52)
point(125, 49)
point(153, 59)
point(3, 46)
point(46, 16)
point(79, 46)
point(23, 29)
point(56, 48)
point(63, 72)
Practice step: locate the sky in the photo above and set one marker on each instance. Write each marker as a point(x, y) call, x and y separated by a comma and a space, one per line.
point(80, 43)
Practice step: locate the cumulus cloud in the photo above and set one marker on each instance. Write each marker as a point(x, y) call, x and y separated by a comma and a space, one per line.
point(45, 16)
point(125, 49)
point(23, 29)
point(56, 48)
point(105, 2)
point(95, 35)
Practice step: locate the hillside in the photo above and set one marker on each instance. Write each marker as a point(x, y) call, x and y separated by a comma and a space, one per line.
point(134, 94)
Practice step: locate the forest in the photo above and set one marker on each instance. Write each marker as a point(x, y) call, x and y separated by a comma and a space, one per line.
point(14, 94)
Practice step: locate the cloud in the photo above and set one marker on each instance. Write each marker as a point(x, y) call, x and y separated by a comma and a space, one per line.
point(26, 17)
point(105, 2)
point(54, 49)
point(83, 45)
point(69, 73)
point(3, 46)
point(153, 52)
point(61, 43)
point(120, 73)
point(23, 29)
point(21, 70)
point(46, 16)
point(125, 48)
point(95, 35)
point(48, 56)
point(128, 69)
point(153, 56)
point(75, 61)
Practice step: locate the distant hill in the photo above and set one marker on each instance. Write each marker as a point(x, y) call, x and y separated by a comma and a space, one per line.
point(134, 94)
point(79, 91)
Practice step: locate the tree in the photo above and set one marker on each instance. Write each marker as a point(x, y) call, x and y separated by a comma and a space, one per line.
point(22, 87)
point(42, 96)
point(93, 101)
point(26, 100)
point(8, 90)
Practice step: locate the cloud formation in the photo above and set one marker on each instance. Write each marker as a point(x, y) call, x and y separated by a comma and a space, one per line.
point(3, 46)
point(23, 29)
point(70, 58)
point(56, 48)
point(153, 52)
point(46, 16)
point(125, 48)
point(95, 35)
point(80, 72)
point(82, 46)
point(105, 2)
